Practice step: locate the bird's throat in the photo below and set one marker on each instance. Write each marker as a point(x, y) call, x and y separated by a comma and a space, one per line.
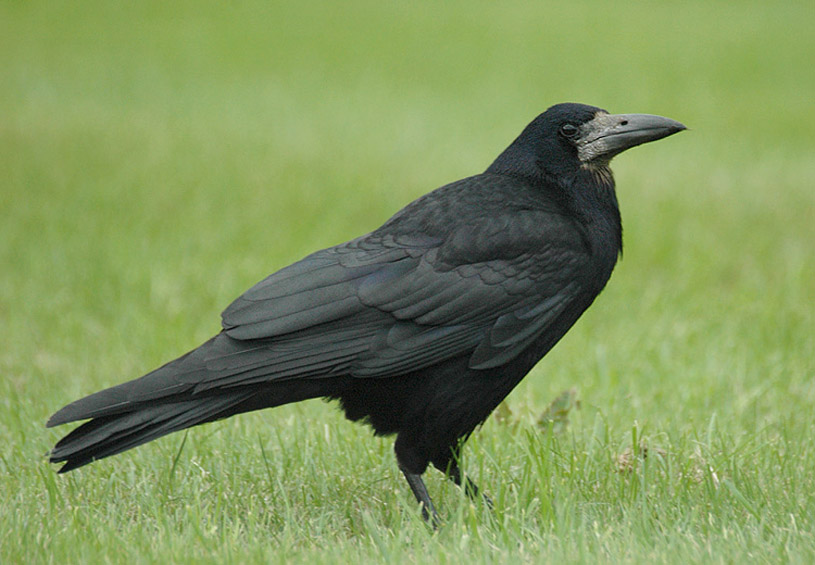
point(601, 175)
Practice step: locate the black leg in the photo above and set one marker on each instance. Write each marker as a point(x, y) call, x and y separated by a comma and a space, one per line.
point(470, 488)
point(420, 492)
point(453, 471)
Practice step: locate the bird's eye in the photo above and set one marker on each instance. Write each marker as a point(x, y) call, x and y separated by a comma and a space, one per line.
point(569, 130)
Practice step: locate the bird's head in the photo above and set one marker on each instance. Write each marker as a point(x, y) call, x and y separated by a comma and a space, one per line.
point(568, 137)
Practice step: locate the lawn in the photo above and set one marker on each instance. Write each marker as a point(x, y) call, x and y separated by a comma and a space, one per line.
point(157, 159)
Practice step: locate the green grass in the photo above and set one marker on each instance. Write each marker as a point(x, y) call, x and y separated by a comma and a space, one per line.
point(157, 159)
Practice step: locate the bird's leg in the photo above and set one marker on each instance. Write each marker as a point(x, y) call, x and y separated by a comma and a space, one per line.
point(420, 492)
point(453, 471)
point(470, 488)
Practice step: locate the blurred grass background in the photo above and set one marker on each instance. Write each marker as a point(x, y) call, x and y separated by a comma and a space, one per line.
point(157, 159)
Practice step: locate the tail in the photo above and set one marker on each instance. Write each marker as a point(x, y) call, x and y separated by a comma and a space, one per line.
point(109, 435)
point(167, 400)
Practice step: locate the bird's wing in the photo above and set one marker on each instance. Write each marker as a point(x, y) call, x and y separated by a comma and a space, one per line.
point(493, 286)
point(321, 288)
point(387, 304)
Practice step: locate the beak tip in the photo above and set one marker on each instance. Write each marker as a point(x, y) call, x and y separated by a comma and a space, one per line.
point(672, 125)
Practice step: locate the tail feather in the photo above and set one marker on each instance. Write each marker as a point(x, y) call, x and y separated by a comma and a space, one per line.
point(198, 387)
point(169, 380)
point(109, 435)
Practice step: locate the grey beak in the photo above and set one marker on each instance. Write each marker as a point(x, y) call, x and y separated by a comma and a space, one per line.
point(610, 134)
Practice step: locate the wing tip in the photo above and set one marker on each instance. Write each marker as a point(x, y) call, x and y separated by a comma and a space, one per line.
point(58, 418)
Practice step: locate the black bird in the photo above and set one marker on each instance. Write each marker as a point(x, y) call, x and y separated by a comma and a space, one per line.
point(419, 328)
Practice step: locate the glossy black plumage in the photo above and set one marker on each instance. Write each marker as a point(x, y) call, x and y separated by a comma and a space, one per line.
point(420, 327)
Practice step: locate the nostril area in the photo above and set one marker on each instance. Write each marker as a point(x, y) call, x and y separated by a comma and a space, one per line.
point(624, 123)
